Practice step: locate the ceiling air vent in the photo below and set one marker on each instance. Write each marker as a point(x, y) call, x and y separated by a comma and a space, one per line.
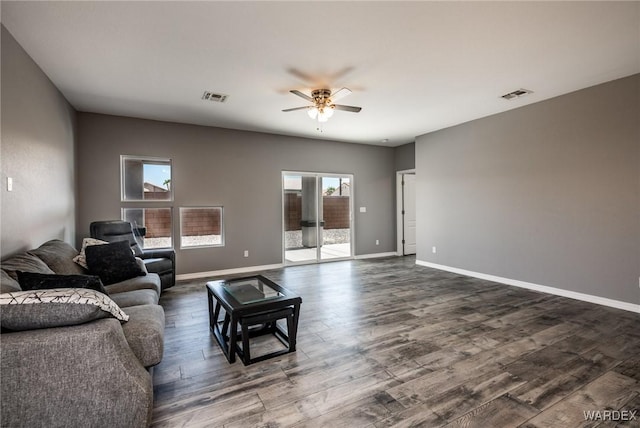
point(212, 96)
point(516, 94)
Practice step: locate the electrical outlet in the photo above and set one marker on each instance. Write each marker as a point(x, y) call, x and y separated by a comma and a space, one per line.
point(9, 184)
point(246, 253)
point(377, 242)
point(433, 250)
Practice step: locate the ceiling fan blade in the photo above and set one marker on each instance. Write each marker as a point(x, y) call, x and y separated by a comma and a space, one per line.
point(340, 93)
point(297, 108)
point(346, 108)
point(301, 95)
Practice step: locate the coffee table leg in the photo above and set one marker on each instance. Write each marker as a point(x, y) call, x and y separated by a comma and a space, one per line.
point(292, 326)
point(246, 353)
point(233, 335)
point(221, 334)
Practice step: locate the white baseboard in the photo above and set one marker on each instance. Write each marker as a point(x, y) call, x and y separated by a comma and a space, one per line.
point(248, 269)
point(536, 287)
point(375, 255)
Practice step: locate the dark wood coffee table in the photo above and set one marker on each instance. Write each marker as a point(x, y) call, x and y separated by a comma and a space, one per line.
point(247, 303)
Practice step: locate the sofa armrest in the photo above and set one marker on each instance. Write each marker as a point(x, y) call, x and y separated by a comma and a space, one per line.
point(70, 376)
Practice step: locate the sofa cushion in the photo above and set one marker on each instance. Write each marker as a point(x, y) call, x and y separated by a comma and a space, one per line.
point(34, 309)
point(151, 281)
point(24, 262)
point(41, 281)
point(81, 258)
point(112, 262)
point(8, 284)
point(58, 255)
point(145, 333)
point(135, 298)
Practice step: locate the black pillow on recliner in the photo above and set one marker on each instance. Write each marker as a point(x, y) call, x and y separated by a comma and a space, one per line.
point(113, 262)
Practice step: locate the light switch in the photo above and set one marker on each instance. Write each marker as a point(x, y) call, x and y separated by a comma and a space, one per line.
point(9, 184)
point(363, 209)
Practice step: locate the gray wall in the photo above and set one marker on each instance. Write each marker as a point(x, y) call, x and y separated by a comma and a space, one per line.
point(37, 151)
point(548, 193)
point(405, 157)
point(238, 170)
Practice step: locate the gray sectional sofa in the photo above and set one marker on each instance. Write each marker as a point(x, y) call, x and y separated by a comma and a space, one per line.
point(75, 357)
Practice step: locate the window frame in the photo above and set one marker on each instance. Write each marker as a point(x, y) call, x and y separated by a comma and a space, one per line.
point(124, 218)
point(181, 235)
point(149, 160)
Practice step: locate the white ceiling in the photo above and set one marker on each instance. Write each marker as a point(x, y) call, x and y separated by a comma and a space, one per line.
point(413, 67)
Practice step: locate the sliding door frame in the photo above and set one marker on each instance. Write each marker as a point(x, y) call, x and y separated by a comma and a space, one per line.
point(318, 176)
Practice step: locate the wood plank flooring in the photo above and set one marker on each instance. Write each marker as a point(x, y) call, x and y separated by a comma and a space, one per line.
point(386, 343)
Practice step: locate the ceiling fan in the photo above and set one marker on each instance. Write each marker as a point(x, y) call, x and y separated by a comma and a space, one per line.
point(323, 103)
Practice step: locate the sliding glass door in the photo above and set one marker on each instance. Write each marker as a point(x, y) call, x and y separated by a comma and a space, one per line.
point(300, 218)
point(317, 217)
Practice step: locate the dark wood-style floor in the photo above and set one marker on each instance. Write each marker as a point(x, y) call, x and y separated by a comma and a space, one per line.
point(385, 343)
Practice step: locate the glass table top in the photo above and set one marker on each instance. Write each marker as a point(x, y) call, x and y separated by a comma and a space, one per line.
point(250, 290)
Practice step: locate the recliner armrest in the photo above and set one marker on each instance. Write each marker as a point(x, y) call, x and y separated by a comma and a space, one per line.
point(166, 253)
point(167, 274)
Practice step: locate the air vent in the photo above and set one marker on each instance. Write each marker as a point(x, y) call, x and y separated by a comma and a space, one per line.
point(212, 96)
point(516, 94)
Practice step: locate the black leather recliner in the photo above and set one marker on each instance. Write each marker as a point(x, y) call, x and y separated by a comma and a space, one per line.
point(160, 261)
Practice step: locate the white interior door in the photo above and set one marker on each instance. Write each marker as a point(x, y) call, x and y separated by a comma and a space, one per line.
point(409, 213)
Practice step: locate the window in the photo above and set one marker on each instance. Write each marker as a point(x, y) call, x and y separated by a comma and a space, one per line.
point(146, 179)
point(201, 227)
point(152, 226)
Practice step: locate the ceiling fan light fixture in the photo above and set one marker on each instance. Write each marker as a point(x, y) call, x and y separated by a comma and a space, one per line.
point(324, 113)
point(322, 107)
